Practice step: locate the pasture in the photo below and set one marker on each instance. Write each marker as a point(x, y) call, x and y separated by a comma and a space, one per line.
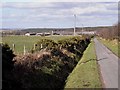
point(28, 41)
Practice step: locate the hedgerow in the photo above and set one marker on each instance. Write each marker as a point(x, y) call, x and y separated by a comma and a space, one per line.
point(50, 64)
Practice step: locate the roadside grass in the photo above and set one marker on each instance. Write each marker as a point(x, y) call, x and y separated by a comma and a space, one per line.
point(86, 73)
point(112, 45)
point(28, 41)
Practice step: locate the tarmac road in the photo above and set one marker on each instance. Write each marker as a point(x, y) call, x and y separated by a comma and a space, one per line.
point(108, 64)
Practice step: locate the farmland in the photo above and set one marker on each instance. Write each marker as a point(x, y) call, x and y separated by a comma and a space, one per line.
point(28, 41)
point(59, 45)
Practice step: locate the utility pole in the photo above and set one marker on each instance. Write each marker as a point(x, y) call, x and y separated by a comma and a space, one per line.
point(52, 33)
point(74, 24)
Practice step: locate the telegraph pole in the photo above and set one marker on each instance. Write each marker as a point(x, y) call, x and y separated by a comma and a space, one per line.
point(74, 24)
point(52, 33)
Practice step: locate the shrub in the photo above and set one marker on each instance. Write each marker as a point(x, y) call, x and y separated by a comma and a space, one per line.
point(75, 45)
point(7, 58)
point(46, 43)
point(7, 66)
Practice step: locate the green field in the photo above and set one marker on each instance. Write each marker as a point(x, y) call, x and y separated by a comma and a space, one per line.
point(86, 73)
point(28, 41)
point(112, 45)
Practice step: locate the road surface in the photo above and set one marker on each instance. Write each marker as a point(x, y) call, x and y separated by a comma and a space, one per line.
point(108, 64)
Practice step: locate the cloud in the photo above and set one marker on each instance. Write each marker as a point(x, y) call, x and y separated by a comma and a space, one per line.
point(58, 13)
point(60, 0)
point(64, 8)
point(0, 5)
point(78, 10)
point(92, 8)
point(27, 5)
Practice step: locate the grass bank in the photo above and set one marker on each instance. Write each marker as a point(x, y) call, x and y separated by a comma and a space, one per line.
point(112, 45)
point(86, 73)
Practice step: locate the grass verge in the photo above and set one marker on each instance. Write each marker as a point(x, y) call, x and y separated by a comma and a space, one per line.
point(112, 45)
point(86, 73)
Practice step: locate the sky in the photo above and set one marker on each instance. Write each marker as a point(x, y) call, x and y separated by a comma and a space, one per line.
point(57, 14)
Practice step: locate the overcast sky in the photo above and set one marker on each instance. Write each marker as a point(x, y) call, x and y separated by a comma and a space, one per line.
point(58, 14)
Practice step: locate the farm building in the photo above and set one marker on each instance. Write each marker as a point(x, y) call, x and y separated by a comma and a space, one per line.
point(46, 34)
point(39, 34)
point(30, 34)
point(87, 32)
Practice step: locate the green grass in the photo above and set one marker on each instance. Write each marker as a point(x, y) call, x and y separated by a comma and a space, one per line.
point(28, 41)
point(86, 73)
point(112, 45)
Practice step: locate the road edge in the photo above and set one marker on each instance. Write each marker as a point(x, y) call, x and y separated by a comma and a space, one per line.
point(99, 72)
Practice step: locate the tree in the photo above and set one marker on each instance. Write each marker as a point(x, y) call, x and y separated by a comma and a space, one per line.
point(7, 65)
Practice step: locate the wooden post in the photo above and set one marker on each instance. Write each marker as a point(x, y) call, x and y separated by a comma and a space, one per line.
point(13, 47)
point(41, 46)
point(60, 47)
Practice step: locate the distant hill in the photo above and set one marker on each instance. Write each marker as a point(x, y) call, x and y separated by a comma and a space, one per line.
point(55, 30)
point(39, 30)
point(45, 29)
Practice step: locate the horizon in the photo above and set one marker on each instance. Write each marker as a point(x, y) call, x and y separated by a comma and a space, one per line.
point(52, 27)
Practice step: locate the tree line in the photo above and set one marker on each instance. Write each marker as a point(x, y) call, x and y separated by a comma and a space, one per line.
point(110, 33)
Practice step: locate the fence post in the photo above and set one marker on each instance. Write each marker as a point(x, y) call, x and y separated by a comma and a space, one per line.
point(13, 47)
point(41, 46)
